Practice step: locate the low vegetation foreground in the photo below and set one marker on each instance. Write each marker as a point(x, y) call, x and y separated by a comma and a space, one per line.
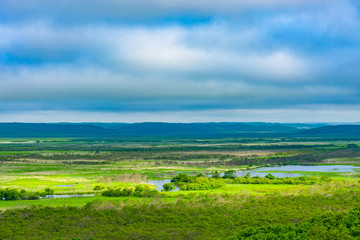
point(179, 188)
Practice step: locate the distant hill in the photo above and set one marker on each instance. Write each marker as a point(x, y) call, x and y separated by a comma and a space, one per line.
point(339, 131)
point(140, 129)
point(51, 130)
point(225, 129)
point(202, 128)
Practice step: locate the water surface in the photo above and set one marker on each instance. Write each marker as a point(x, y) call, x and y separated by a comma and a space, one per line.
point(159, 184)
point(263, 174)
point(67, 196)
point(307, 168)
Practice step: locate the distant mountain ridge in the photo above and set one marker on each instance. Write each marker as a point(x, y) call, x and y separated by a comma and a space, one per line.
point(203, 128)
point(340, 130)
point(225, 129)
point(51, 130)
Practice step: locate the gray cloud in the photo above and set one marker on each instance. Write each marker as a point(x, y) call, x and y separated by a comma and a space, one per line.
point(250, 54)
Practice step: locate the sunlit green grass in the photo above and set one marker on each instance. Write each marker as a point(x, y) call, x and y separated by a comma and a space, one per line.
point(77, 201)
point(247, 189)
point(28, 164)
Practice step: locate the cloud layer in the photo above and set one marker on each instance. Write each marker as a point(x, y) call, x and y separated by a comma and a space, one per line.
point(160, 56)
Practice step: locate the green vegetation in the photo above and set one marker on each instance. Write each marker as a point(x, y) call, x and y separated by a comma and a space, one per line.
point(270, 179)
point(169, 187)
point(141, 190)
point(199, 216)
point(9, 194)
point(327, 226)
point(215, 201)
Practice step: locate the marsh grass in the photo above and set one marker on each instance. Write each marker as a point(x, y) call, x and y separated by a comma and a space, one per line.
point(127, 177)
point(82, 164)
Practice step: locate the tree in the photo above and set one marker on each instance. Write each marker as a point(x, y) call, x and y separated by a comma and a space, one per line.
point(270, 176)
point(216, 174)
point(169, 186)
point(230, 174)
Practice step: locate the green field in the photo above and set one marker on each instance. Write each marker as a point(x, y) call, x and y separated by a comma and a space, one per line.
point(77, 166)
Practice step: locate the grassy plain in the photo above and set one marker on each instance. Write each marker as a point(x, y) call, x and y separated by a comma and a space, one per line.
point(76, 166)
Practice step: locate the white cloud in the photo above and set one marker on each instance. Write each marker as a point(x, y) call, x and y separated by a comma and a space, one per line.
point(160, 50)
point(254, 54)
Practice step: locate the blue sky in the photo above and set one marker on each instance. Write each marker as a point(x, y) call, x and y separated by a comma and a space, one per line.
point(180, 61)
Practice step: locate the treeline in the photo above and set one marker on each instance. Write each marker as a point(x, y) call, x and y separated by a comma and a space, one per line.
point(272, 180)
point(200, 182)
point(8, 194)
point(140, 190)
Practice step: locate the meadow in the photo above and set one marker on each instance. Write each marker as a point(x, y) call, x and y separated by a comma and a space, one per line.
point(240, 207)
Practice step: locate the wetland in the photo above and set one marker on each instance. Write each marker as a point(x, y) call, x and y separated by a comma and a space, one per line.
point(120, 181)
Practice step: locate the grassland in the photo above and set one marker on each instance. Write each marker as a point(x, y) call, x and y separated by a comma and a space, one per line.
point(77, 166)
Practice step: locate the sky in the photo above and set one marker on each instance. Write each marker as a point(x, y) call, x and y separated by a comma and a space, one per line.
point(180, 61)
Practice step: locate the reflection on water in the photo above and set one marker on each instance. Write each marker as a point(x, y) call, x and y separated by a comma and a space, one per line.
point(67, 196)
point(316, 168)
point(263, 174)
point(288, 172)
point(159, 184)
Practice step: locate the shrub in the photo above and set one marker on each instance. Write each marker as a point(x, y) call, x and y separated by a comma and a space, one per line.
point(203, 183)
point(144, 190)
point(19, 194)
point(230, 174)
point(97, 187)
point(33, 196)
point(169, 186)
point(141, 190)
point(270, 176)
point(49, 191)
point(11, 194)
point(127, 191)
point(182, 177)
point(269, 180)
point(216, 174)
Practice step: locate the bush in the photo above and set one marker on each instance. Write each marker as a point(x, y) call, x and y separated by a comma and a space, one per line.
point(327, 226)
point(230, 174)
point(145, 190)
point(169, 186)
point(141, 190)
point(49, 191)
point(16, 194)
point(198, 182)
point(97, 187)
point(269, 180)
point(127, 191)
point(216, 174)
point(182, 178)
point(270, 176)
point(11, 194)
point(33, 196)
point(203, 183)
